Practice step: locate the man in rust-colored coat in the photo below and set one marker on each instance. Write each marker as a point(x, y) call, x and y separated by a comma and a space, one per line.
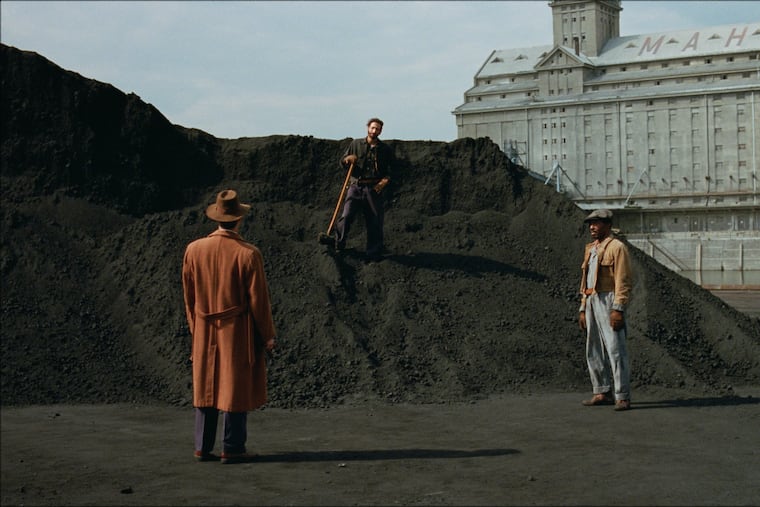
point(230, 318)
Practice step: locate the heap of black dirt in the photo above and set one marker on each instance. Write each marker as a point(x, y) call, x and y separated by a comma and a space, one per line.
point(477, 294)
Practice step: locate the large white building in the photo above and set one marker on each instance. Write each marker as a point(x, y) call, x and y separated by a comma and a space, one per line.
point(662, 128)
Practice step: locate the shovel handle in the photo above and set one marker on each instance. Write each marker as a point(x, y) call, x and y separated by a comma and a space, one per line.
point(340, 198)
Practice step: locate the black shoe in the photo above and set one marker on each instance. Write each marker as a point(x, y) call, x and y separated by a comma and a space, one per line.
point(373, 258)
point(241, 457)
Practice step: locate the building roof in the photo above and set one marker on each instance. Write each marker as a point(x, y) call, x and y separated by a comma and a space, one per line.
point(700, 42)
point(513, 61)
point(716, 40)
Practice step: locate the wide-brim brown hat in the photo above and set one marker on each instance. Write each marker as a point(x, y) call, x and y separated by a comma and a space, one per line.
point(227, 207)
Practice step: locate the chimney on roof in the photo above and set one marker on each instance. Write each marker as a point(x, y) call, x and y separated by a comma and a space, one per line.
point(577, 45)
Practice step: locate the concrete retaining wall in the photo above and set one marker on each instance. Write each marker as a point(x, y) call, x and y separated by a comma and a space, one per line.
point(713, 261)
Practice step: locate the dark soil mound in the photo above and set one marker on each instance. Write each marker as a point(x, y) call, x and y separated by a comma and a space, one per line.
point(101, 194)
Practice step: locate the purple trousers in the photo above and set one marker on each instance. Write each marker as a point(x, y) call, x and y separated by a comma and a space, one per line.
point(234, 430)
point(362, 198)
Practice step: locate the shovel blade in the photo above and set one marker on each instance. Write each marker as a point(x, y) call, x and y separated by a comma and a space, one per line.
point(326, 239)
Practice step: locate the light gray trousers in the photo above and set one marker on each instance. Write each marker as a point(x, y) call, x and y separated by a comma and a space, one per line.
point(606, 353)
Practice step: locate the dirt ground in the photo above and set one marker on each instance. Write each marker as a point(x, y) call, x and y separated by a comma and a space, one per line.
point(672, 448)
point(477, 295)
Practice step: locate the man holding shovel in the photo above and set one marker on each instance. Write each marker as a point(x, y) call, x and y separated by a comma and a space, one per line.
point(368, 162)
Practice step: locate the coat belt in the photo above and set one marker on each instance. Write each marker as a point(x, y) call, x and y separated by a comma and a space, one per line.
point(229, 313)
point(225, 314)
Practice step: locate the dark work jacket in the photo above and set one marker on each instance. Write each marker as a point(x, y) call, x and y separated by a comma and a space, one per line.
point(373, 163)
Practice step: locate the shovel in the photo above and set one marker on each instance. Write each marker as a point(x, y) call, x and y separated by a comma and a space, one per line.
point(325, 237)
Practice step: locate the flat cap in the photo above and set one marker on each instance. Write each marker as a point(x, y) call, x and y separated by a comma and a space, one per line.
point(600, 214)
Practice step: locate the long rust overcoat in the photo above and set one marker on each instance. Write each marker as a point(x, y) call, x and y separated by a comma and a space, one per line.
point(230, 317)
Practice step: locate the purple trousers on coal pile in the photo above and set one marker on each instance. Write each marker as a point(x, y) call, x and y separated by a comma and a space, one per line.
point(362, 198)
point(234, 430)
point(606, 352)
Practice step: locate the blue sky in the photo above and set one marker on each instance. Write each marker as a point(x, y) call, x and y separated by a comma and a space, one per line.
point(255, 68)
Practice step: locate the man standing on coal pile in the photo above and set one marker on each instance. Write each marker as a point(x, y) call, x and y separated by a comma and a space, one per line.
point(372, 161)
point(605, 290)
point(230, 317)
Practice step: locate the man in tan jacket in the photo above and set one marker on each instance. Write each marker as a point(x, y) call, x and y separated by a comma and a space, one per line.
point(230, 317)
point(606, 282)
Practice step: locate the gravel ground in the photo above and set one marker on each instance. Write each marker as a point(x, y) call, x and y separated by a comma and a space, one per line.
point(672, 448)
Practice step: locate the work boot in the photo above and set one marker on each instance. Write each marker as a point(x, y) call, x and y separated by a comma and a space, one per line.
point(599, 399)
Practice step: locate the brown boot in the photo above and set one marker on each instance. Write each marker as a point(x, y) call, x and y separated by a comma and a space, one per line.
point(599, 399)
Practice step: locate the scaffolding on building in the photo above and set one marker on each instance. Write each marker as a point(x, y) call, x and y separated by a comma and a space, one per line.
point(557, 172)
point(515, 151)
